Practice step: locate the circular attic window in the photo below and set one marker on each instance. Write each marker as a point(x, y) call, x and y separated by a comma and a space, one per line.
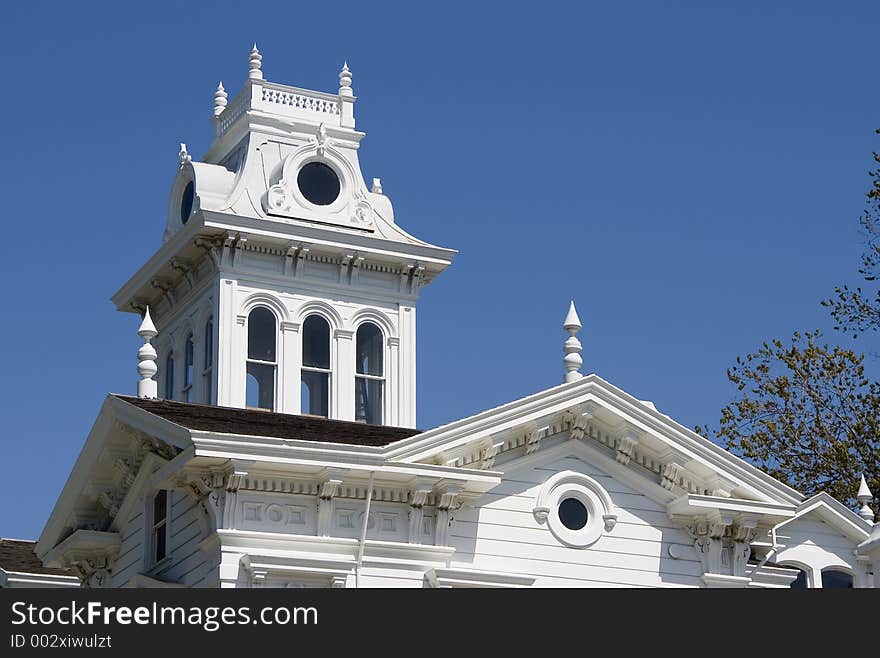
point(573, 514)
point(186, 202)
point(318, 183)
point(576, 509)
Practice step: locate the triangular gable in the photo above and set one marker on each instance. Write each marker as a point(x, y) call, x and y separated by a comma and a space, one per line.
point(835, 514)
point(108, 466)
point(664, 445)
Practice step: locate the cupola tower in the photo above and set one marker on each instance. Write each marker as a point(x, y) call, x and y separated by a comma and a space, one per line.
point(283, 281)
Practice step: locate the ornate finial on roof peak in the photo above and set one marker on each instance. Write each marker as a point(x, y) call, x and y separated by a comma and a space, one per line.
point(183, 157)
point(345, 81)
point(864, 496)
point(147, 386)
point(255, 62)
point(220, 99)
point(572, 346)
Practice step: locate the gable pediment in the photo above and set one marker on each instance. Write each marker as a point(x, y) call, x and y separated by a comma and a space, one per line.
point(122, 452)
point(595, 414)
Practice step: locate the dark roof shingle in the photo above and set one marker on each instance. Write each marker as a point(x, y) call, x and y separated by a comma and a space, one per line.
point(228, 420)
point(19, 555)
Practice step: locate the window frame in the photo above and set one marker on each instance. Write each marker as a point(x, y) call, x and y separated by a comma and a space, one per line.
point(273, 364)
point(189, 367)
point(328, 371)
point(367, 377)
point(208, 363)
point(169, 375)
point(153, 528)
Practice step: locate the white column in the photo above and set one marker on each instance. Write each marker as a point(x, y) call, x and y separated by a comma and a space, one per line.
point(342, 379)
point(224, 348)
point(237, 370)
point(289, 368)
point(393, 412)
point(406, 372)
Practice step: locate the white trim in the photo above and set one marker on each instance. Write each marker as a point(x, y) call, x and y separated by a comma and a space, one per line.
point(592, 389)
point(16, 579)
point(460, 577)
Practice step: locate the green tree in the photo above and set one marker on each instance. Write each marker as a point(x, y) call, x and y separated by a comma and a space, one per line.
point(858, 311)
point(805, 411)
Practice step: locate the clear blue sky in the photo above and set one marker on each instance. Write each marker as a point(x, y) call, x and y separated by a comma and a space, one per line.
point(692, 176)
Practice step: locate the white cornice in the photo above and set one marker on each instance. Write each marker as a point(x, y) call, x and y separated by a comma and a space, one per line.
point(461, 577)
point(592, 389)
point(697, 505)
point(159, 260)
point(263, 545)
point(28, 579)
point(331, 238)
point(834, 513)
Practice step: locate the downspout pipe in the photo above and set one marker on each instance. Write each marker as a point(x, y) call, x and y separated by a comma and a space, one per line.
point(360, 554)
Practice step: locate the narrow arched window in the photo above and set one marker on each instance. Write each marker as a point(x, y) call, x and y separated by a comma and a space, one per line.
point(801, 581)
point(208, 369)
point(189, 360)
point(169, 376)
point(261, 360)
point(369, 379)
point(836, 579)
point(315, 375)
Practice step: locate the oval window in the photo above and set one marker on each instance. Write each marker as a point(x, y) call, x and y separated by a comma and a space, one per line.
point(318, 183)
point(573, 513)
point(186, 202)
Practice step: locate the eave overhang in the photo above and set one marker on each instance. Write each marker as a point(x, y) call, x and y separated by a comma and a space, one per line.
point(210, 224)
point(694, 505)
point(595, 395)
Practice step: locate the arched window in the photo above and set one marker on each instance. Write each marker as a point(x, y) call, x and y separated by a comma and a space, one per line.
point(369, 379)
point(801, 581)
point(209, 361)
point(169, 376)
point(189, 360)
point(261, 361)
point(315, 375)
point(836, 579)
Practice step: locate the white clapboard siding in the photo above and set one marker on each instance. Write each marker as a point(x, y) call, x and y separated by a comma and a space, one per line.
point(130, 561)
point(500, 533)
point(187, 526)
point(187, 530)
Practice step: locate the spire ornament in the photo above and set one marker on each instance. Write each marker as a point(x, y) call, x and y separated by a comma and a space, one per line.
point(255, 63)
point(345, 81)
point(220, 100)
point(864, 497)
point(147, 386)
point(572, 346)
point(183, 157)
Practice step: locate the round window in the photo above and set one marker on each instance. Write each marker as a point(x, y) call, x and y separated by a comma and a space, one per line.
point(318, 183)
point(186, 202)
point(573, 514)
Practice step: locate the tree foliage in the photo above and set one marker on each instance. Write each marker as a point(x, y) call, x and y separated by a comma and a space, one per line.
point(858, 310)
point(806, 412)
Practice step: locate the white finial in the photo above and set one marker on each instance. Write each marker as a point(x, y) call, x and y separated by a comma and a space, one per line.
point(255, 64)
point(377, 186)
point(183, 157)
point(345, 81)
point(572, 347)
point(147, 386)
point(219, 100)
point(864, 497)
